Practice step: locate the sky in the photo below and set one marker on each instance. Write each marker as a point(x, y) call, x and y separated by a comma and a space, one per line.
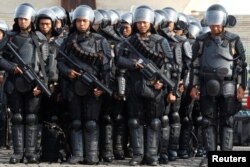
point(239, 7)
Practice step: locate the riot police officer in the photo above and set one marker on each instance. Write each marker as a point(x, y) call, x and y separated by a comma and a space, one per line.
point(52, 108)
point(145, 94)
point(219, 78)
point(92, 52)
point(126, 24)
point(61, 20)
point(188, 116)
point(173, 30)
point(24, 97)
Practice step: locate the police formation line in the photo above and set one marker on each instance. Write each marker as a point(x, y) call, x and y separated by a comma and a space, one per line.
point(97, 85)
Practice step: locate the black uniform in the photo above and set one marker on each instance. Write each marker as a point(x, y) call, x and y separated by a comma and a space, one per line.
point(219, 65)
point(145, 104)
point(92, 50)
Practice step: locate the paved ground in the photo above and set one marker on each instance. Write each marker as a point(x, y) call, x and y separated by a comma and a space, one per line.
point(193, 162)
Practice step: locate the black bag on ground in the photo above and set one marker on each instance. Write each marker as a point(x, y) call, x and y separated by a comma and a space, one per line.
point(54, 144)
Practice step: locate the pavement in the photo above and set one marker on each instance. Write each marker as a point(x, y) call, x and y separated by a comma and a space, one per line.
point(192, 162)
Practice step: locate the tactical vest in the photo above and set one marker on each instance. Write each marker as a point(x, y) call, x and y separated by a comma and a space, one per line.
point(27, 52)
point(217, 56)
point(26, 48)
point(85, 50)
point(150, 48)
point(216, 66)
point(177, 52)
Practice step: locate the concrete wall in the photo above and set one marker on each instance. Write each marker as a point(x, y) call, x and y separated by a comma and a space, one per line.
point(7, 7)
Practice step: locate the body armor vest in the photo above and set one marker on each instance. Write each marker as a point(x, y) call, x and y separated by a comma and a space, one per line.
point(88, 49)
point(216, 57)
point(217, 68)
point(27, 52)
point(87, 52)
point(149, 48)
point(177, 51)
point(26, 48)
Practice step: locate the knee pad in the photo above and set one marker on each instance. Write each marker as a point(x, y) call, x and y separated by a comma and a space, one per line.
point(175, 117)
point(31, 119)
point(186, 121)
point(91, 126)
point(165, 121)
point(76, 125)
point(230, 121)
point(155, 124)
point(199, 120)
point(119, 119)
point(17, 119)
point(107, 120)
point(133, 123)
point(206, 122)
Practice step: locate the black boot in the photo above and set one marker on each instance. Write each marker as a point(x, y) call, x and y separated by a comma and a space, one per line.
point(91, 143)
point(119, 135)
point(200, 145)
point(153, 133)
point(226, 139)
point(31, 137)
point(210, 138)
point(165, 132)
point(107, 149)
point(184, 150)
point(136, 133)
point(174, 141)
point(76, 146)
point(18, 144)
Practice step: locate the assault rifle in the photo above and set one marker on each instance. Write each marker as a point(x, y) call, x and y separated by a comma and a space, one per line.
point(150, 70)
point(28, 73)
point(86, 77)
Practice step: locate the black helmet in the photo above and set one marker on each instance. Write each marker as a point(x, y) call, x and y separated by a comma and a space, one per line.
point(25, 10)
point(83, 11)
point(114, 16)
point(144, 13)
point(46, 13)
point(60, 13)
point(106, 21)
point(194, 30)
point(171, 13)
point(3, 26)
point(182, 22)
point(216, 15)
point(160, 18)
point(98, 17)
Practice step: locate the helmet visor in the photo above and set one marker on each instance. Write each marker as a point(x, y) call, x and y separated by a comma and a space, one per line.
point(215, 18)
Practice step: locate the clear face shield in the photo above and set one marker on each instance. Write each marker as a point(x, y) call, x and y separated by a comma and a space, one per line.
point(215, 18)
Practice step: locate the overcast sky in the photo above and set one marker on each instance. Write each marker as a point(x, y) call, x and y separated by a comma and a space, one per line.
point(240, 7)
